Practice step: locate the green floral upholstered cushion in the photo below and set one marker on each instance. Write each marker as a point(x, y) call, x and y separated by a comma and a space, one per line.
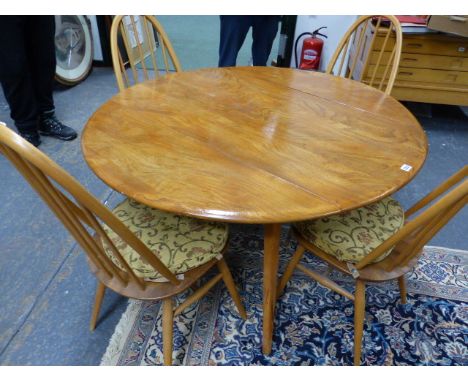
point(352, 235)
point(181, 243)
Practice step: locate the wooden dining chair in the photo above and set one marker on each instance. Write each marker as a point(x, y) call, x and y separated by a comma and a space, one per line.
point(375, 243)
point(135, 250)
point(141, 44)
point(369, 52)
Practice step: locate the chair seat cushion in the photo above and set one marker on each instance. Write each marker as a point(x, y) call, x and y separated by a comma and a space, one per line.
point(352, 235)
point(180, 242)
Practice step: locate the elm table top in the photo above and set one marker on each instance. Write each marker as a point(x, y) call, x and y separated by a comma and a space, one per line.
point(254, 144)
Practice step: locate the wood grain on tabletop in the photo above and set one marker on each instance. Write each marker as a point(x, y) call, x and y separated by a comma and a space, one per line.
point(254, 144)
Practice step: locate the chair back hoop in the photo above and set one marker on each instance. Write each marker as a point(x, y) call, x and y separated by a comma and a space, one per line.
point(370, 52)
point(83, 215)
point(422, 228)
point(140, 50)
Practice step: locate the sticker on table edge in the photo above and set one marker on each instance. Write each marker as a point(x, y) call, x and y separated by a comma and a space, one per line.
point(406, 167)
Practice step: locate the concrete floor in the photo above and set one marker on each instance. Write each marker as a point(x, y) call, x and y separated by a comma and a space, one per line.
point(46, 289)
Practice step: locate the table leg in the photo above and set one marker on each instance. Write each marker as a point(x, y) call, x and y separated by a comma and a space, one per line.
point(270, 274)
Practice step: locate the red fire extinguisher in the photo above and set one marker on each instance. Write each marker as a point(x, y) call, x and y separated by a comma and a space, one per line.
point(311, 50)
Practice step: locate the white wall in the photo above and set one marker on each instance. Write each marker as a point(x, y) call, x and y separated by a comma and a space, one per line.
point(336, 28)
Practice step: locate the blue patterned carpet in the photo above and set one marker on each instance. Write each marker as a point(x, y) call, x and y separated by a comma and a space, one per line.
point(313, 325)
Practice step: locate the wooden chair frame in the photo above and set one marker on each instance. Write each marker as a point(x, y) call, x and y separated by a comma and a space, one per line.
point(407, 247)
point(359, 27)
point(82, 218)
point(140, 52)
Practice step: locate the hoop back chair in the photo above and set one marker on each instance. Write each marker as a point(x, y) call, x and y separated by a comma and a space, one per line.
point(394, 254)
point(373, 40)
point(105, 238)
point(140, 42)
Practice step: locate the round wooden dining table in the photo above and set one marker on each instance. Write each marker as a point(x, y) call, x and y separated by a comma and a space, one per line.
point(259, 145)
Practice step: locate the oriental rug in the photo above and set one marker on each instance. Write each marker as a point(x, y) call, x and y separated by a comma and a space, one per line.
point(313, 325)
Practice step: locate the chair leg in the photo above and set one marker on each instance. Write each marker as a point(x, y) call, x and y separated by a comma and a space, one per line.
point(402, 285)
point(168, 327)
point(97, 304)
point(359, 311)
point(290, 269)
point(228, 280)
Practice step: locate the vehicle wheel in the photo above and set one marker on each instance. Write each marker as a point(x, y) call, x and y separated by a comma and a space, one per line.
point(73, 49)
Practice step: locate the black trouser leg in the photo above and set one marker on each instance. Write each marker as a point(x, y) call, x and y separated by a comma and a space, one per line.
point(14, 73)
point(41, 48)
point(233, 31)
point(27, 67)
point(264, 31)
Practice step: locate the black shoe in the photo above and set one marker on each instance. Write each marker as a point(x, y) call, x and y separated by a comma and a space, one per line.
point(49, 125)
point(32, 137)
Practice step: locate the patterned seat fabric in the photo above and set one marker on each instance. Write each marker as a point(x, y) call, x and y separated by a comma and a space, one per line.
point(181, 243)
point(352, 235)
